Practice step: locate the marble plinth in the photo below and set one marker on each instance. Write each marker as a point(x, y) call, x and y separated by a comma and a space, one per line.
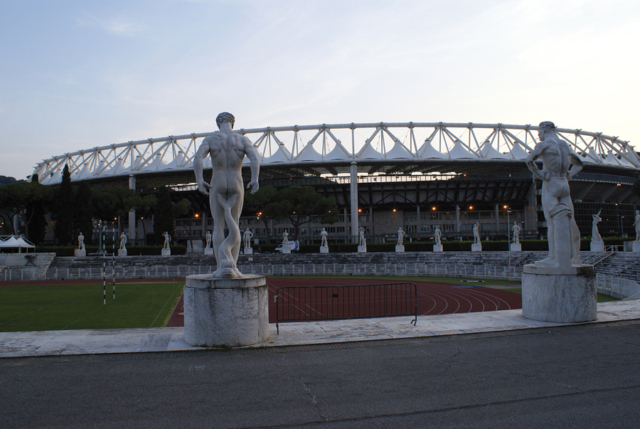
point(437, 247)
point(122, 252)
point(324, 249)
point(362, 249)
point(248, 250)
point(564, 298)
point(597, 246)
point(399, 248)
point(208, 251)
point(476, 247)
point(515, 247)
point(286, 250)
point(636, 247)
point(80, 253)
point(166, 252)
point(226, 312)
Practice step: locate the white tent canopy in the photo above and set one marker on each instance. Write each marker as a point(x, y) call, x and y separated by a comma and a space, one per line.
point(16, 242)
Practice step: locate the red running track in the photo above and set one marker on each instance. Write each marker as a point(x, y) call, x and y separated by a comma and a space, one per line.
point(433, 297)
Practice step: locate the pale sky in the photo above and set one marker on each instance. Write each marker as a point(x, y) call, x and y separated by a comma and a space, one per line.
point(80, 74)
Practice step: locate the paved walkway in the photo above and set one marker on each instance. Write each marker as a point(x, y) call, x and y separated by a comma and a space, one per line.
point(55, 343)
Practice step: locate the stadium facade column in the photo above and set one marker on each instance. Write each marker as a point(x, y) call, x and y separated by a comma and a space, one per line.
point(354, 199)
point(497, 218)
point(132, 213)
point(457, 219)
point(204, 225)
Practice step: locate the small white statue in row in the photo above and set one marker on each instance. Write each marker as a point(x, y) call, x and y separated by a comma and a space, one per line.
point(477, 245)
point(516, 246)
point(285, 242)
point(208, 250)
point(324, 245)
point(362, 241)
point(81, 251)
point(438, 246)
point(400, 245)
point(122, 251)
point(166, 249)
point(637, 225)
point(246, 236)
point(516, 233)
point(596, 245)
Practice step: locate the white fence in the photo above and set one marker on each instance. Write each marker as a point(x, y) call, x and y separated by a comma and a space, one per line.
point(178, 271)
point(617, 287)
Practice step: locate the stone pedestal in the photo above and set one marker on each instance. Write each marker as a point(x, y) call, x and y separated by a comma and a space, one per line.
point(515, 247)
point(208, 251)
point(362, 249)
point(476, 247)
point(122, 252)
point(399, 248)
point(286, 250)
point(324, 249)
point(166, 252)
point(437, 247)
point(80, 253)
point(597, 246)
point(226, 312)
point(247, 250)
point(560, 298)
point(636, 247)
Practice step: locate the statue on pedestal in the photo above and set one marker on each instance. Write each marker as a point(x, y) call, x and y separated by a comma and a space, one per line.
point(559, 163)
point(362, 240)
point(247, 241)
point(227, 150)
point(81, 242)
point(123, 241)
point(438, 234)
point(637, 225)
point(595, 234)
point(476, 233)
point(208, 240)
point(167, 240)
point(516, 233)
point(285, 239)
point(323, 236)
point(400, 236)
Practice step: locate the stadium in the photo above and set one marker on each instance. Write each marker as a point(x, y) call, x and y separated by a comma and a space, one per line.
point(384, 176)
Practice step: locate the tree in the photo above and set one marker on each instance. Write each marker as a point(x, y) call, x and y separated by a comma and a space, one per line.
point(145, 206)
point(254, 204)
point(83, 212)
point(166, 212)
point(28, 199)
point(35, 212)
point(63, 210)
point(301, 205)
point(113, 202)
point(163, 219)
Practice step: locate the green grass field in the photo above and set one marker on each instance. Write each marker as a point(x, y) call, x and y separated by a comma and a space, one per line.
point(77, 306)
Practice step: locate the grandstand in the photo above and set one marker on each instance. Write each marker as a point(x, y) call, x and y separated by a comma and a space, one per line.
point(417, 176)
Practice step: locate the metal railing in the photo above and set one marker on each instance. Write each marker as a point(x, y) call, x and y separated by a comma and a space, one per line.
point(617, 287)
point(177, 271)
point(304, 303)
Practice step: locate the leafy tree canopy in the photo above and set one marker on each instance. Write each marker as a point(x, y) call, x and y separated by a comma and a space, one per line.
point(299, 204)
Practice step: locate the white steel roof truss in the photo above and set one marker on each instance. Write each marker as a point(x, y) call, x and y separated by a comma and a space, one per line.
point(368, 141)
point(396, 140)
point(455, 139)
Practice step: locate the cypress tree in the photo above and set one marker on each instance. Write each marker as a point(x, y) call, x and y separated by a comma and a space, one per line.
point(163, 219)
point(64, 212)
point(36, 215)
point(83, 210)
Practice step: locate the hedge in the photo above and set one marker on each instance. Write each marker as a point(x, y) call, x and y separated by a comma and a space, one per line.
point(131, 251)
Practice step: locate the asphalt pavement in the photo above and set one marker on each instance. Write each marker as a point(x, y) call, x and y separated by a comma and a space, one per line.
point(585, 376)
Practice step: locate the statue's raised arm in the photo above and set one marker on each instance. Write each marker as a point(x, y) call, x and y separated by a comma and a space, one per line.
point(252, 154)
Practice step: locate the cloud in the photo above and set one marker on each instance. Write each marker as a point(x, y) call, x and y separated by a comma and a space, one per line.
point(116, 26)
